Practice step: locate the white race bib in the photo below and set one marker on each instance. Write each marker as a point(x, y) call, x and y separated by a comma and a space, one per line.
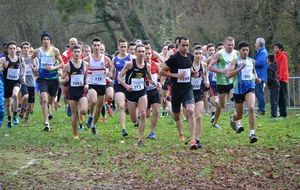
point(196, 83)
point(97, 78)
point(28, 70)
point(13, 74)
point(77, 80)
point(247, 73)
point(187, 75)
point(137, 84)
point(46, 62)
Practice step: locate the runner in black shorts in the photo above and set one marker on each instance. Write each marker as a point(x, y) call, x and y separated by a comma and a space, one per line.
point(153, 95)
point(98, 63)
point(136, 72)
point(12, 66)
point(74, 73)
point(178, 66)
point(49, 62)
point(28, 88)
point(199, 83)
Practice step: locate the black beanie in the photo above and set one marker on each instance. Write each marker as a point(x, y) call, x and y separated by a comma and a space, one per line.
point(44, 34)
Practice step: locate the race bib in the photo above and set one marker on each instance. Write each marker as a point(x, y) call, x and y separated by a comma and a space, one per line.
point(28, 70)
point(13, 74)
point(97, 78)
point(187, 75)
point(247, 73)
point(77, 80)
point(124, 77)
point(196, 83)
point(137, 84)
point(46, 62)
point(154, 78)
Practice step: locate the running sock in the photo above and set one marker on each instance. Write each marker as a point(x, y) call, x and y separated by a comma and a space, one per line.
point(15, 114)
point(9, 118)
point(252, 132)
point(212, 114)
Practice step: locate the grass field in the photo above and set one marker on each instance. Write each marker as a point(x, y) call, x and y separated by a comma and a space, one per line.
point(33, 159)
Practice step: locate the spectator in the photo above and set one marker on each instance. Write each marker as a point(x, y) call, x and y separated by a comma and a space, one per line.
point(261, 67)
point(273, 85)
point(283, 77)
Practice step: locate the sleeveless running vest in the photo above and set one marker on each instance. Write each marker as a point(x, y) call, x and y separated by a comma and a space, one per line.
point(198, 82)
point(47, 59)
point(76, 76)
point(119, 63)
point(29, 73)
point(97, 71)
point(244, 80)
point(12, 72)
point(154, 76)
point(224, 62)
point(136, 76)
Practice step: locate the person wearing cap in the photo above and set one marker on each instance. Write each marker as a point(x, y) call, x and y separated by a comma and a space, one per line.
point(49, 62)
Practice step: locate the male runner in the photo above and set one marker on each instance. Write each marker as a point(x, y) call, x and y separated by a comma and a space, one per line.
point(49, 62)
point(243, 70)
point(12, 67)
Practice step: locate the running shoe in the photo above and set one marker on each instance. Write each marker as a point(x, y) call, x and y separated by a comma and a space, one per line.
point(193, 145)
point(253, 138)
point(47, 127)
point(199, 145)
point(152, 136)
point(217, 126)
point(239, 128)
point(50, 116)
point(9, 125)
point(104, 120)
point(124, 133)
point(16, 121)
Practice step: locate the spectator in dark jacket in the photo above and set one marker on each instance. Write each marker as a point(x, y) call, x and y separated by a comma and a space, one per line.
point(261, 67)
point(283, 76)
point(273, 85)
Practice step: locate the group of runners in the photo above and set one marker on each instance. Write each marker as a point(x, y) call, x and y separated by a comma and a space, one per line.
point(137, 79)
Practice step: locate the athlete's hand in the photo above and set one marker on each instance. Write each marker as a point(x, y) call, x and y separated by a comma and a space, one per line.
point(180, 75)
point(50, 68)
point(23, 79)
point(129, 88)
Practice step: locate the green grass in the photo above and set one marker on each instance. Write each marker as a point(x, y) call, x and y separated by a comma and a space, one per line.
point(33, 159)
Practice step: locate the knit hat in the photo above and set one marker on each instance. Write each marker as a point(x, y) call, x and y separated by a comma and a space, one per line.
point(45, 34)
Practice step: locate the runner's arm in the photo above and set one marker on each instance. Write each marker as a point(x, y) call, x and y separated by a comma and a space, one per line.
point(233, 70)
point(122, 73)
point(258, 80)
point(58, 58)
point(213, 62)
point(205, 73)
point(65, 72)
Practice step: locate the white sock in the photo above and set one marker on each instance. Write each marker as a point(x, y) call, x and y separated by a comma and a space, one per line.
point(252, 132)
